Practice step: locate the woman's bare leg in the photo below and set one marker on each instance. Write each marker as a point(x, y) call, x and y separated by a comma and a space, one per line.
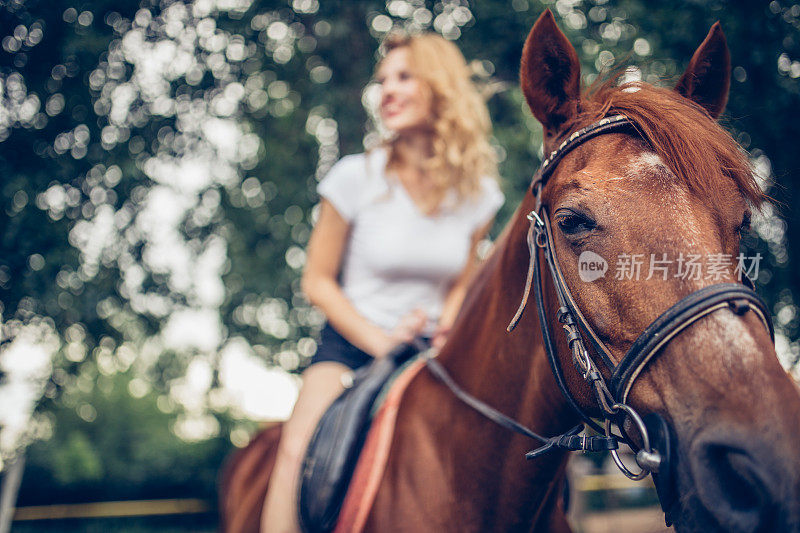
point(321, 385)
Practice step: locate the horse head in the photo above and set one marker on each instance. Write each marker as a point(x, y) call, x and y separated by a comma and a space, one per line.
point(646, 219)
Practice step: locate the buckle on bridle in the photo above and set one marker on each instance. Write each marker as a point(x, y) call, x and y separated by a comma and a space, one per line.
point(539, 228)
point(534, 216)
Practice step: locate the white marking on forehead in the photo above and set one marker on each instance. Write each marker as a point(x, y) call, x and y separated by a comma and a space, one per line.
point(651, 159)
point(646, 164)
point(662, 185)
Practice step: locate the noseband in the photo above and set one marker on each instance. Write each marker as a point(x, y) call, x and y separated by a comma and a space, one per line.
point(610, 397)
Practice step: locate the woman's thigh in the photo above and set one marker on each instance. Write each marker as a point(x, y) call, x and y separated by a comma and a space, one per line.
point(322, 383)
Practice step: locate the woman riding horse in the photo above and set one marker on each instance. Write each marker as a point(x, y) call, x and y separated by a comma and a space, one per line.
point(395, 243)
point(634, 170)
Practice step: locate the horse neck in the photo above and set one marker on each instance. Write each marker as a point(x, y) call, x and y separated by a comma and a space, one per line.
point(510, 372)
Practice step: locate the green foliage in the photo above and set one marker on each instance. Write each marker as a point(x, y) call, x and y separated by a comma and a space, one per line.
point(77, 461)
point(106, 445)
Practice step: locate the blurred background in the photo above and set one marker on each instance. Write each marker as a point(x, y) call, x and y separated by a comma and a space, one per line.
point(158, 161)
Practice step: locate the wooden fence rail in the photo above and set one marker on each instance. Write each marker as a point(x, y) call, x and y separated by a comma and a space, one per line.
point(113, 509)
point(131, 508)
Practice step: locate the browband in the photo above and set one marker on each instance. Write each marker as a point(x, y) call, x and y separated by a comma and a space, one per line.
point(608, 124)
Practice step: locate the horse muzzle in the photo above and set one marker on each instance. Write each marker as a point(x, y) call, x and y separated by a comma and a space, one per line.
point(734, 484)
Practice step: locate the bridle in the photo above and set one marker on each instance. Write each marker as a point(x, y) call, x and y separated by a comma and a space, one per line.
point(654, 451)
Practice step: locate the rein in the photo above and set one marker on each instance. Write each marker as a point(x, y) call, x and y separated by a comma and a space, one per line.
point(610, 397)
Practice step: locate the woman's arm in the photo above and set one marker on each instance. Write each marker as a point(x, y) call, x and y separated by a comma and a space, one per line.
point(321, 286)
point(455, 296)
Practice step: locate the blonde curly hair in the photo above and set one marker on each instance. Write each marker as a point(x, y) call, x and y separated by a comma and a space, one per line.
point(460, 154)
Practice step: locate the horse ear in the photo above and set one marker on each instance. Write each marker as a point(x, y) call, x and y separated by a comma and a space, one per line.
point(708, 77)
point(550, 74)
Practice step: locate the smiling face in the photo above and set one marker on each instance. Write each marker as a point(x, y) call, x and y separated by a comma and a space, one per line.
point(405, 98)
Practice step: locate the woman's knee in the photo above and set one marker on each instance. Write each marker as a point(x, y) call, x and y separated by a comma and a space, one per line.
point(293, 444)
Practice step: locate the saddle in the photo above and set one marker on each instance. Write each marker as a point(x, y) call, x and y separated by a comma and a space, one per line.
point(333, 452)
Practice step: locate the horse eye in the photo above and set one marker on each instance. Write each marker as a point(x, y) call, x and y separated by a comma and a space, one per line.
point(573, 224)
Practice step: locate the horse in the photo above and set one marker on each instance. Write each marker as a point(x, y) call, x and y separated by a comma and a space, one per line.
point(635, 171)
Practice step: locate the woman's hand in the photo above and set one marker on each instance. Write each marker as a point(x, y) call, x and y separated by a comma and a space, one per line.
point(409, 327)
point(440, 336)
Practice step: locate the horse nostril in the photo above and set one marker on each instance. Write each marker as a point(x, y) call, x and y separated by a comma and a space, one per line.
point(734, 489)
point(735, 473)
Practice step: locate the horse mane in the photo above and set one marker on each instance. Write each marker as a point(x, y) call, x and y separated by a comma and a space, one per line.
point(690, 143)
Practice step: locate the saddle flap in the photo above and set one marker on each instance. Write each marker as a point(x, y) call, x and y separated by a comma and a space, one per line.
point(334, 448)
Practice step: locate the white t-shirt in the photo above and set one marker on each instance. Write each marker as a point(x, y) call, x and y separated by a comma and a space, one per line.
point(397, 258)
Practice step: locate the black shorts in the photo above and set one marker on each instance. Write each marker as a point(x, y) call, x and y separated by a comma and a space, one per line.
point(333, 347)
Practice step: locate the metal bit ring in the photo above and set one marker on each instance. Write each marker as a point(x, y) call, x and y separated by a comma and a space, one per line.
point(639, 423)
